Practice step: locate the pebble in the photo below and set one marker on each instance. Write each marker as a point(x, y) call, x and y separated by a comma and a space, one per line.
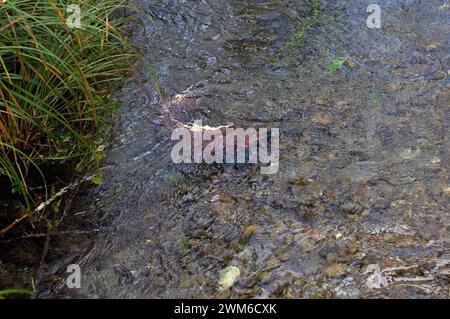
point(322, 119)
point(335, 270)
point(228, 276)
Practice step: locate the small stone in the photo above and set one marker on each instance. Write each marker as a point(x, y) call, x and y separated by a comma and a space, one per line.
point(300, 182)
point(351, 64)
point(332, 257)
point(367, 58)
point(436, 161)
point(224, 294)
point(194, 242)
point(272, 262)
point(287, 293)
point(335, 270)
point(250, 230)
point(360, 255)
point(187, 283)
point(263, 276)
point(342, 103)
point(225, 199)
point(432, 46)
point(321, 101)
point(322, 119)
point(399, 203)
point(347, 289)
point(215, 199)
point(352, 247)
point(228, 276)
point(220, 198)
point(393, 87)
point(447, 191)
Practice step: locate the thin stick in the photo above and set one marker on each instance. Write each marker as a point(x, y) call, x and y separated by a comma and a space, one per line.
point(43, 205)
point(53, 233)
point(14, 223)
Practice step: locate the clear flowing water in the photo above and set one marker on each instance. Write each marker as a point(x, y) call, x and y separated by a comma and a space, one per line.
point(363, 183)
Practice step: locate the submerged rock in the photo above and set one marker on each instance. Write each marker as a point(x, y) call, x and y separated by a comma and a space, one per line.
point(228, 276)
point(335, 270)
point(376, 279)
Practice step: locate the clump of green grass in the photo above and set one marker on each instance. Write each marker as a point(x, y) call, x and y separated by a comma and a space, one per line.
point(336, 64)
point(6, 292)
point(171, 179)
point(303, 28)
point(54, 86)
point(98, 178)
